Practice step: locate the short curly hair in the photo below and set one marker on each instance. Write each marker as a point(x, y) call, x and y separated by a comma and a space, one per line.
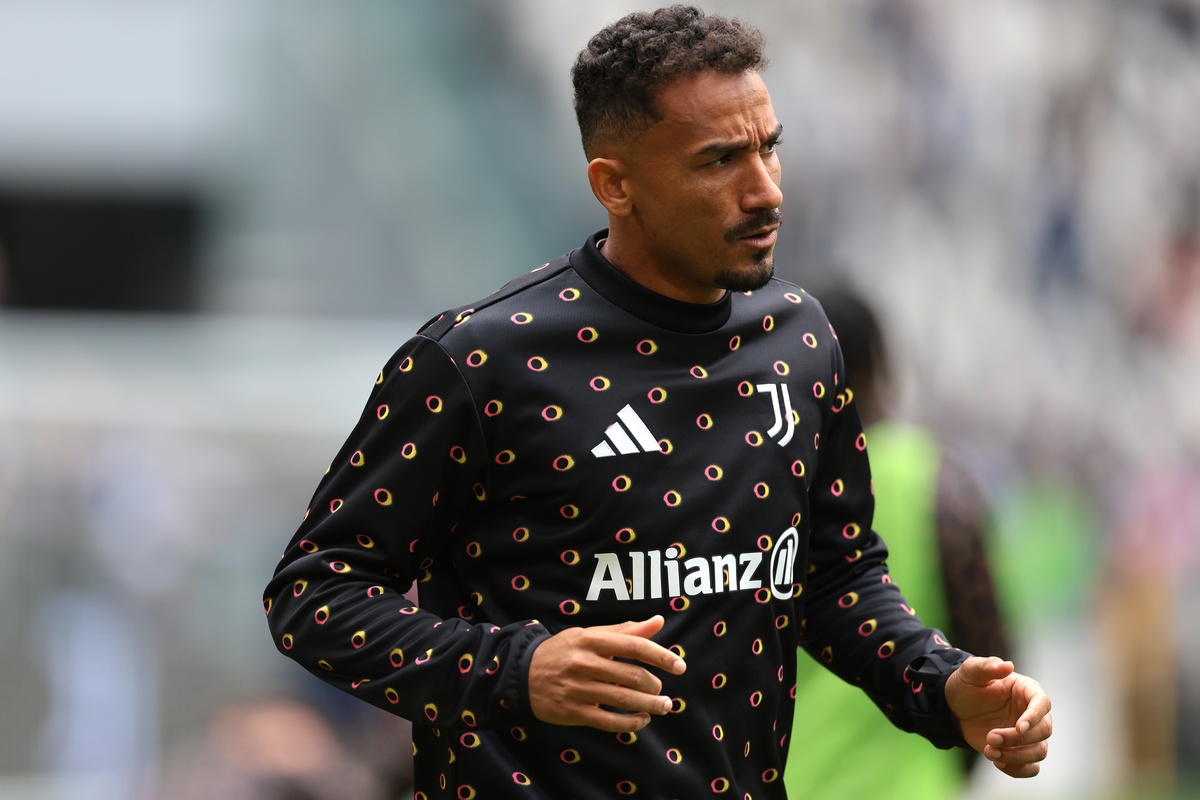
point(620, 73)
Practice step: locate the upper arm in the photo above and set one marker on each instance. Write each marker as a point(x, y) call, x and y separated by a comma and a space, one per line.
point(398, 485)
point(841, 496)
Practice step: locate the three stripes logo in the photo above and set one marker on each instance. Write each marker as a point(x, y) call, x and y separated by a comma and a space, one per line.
point(787, 415)
point(618, 436)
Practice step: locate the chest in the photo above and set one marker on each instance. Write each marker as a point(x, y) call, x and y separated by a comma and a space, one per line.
point(655, 468)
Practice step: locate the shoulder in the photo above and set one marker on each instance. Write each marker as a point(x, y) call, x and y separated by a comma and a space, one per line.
point(780, 297)
point(785, 307)
point(442, 328)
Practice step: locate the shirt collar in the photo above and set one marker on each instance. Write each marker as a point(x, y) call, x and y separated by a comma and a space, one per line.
point(627, 294)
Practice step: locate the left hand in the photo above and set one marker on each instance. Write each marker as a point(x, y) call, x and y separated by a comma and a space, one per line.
point(1003, 714)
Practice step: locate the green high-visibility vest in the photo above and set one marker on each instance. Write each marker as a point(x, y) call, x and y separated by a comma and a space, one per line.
point(842, 747)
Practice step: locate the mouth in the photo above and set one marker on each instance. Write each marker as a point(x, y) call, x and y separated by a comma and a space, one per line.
point(764, 237)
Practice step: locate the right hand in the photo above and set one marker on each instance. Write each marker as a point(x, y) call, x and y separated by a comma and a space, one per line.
point(574, 672)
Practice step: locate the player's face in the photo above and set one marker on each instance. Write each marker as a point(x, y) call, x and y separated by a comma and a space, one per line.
point(706, 181)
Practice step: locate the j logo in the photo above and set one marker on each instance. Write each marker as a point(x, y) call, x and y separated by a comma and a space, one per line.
point(787, 411)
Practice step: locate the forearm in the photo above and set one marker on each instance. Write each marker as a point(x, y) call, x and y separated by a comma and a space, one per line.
point(367, 639)
point(859, 626)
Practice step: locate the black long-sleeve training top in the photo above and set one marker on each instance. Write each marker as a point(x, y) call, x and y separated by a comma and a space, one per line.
point(576, 450)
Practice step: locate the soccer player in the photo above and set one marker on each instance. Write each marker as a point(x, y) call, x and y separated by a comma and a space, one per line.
point(627, 485)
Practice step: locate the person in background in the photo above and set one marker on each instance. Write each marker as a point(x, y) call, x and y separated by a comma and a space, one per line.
point(274, 750)
point(933, 516)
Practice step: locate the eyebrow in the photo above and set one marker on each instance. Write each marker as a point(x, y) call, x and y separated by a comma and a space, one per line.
point(717, 148)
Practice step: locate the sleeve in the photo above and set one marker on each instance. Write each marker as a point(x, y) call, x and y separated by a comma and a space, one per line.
point(856, 622)
point(410, 470)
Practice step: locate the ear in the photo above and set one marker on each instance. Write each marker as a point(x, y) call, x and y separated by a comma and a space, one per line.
point(610, 184)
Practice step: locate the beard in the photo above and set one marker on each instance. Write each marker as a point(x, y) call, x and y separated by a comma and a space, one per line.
point(760, 273)
point(750, 278)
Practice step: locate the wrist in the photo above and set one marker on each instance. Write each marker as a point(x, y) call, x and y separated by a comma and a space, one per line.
point(524, 708)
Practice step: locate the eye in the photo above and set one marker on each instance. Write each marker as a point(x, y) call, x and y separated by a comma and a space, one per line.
point(769, 147)
point(723, 160)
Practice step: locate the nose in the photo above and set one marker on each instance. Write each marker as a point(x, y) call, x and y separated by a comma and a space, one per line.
point(762, 191)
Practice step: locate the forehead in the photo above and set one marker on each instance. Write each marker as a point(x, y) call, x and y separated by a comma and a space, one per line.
point(713, 106)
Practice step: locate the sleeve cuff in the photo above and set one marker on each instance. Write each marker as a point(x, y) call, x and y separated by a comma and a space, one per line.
point(926, 678)
point(524, 710)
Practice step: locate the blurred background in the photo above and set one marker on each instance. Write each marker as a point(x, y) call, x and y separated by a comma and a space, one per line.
point(218, 219)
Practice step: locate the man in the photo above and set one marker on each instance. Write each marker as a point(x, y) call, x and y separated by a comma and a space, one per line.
point(649, 428)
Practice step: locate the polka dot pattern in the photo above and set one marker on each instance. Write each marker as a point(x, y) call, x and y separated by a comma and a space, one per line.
point(477, 472)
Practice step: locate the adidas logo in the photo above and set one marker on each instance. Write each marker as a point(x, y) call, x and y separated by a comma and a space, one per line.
point(620, 436)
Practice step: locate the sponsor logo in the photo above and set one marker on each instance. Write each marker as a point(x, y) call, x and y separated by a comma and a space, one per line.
point(786, 416)
point(632, 437)
point(656, 574)
point(783, 563)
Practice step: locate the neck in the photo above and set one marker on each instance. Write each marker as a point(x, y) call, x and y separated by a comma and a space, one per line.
point(629, 251)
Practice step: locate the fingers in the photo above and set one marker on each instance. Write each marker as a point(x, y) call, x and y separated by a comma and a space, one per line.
point(1026, 754)
point(982, 671)
point(1023, 760)
point(575, 672)
point(627, 699)
point(1019, 770)
point(591, 681)
point(1009, 737)
point(1038, 706)
point(618, 672)
point(1018, 762)
point(645, 628)
point(638, 649)
point(1035, 723)
point(632, 640)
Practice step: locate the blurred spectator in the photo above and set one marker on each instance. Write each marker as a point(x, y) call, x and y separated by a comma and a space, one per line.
point(269, 751)
point(102, 670)
point(1172, 311)
point(381, 741)
point(1156, 543)
point(932, 516)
